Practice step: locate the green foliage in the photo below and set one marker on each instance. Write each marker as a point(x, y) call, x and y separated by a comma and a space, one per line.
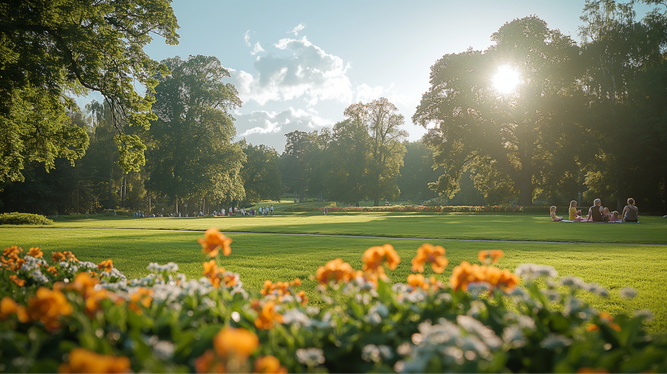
point(50, 49)
point(165, 322)
point(16, 218)
point(191, 151)
point(261, 173)
point(417, 172)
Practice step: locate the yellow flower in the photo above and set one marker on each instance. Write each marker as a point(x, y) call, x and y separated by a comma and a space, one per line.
point(214, 239)
point(427, 253)
point(236, 343)
point(35, 252)
point(267, 316)
point(84, 361)
point(269, 364)
point(334, 270)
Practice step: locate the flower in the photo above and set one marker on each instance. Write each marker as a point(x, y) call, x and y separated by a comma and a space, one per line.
point(84, 361)
point(7, 307)
point(334, 270)
point(107, 265)
point(269, 364)
point(141, 296)
point(627, 293)
point(466, 273)
point(236, 343)
point(374, 257)
point(417, 281)
point(493, 256)
point(267, 316)
point(35, 252)
point(48, 306)
point(310, 356)
point(207, 363)
point(14, 278)
point(214, 239)
point(427, 253)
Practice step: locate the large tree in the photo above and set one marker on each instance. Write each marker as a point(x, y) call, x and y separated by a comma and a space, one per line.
point(515, 137)
point(191, 153)
point(260, 173)
point(51, 49)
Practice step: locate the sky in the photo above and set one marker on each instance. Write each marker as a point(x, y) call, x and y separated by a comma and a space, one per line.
point(298, 64)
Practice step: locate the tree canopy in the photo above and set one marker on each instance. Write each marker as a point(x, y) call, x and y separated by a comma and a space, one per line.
point(51, 50)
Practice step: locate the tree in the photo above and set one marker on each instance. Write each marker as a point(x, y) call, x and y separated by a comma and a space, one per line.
point(417, 172)
point(517, 137)
point(349, 152)
point(295, 161)
point(191, 154)
point(49, 49)
point(625, 65)
point(260, 173)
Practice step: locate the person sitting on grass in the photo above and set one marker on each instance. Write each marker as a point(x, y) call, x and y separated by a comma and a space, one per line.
point(595, 212)
point(554, 217)
point(574, 213)
point(615, 217)
point(630, 212)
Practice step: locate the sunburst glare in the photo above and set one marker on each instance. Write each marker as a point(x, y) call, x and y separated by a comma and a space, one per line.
point(506, 79)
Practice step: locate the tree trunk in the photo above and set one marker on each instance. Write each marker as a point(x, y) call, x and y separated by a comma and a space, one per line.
point(526, 190)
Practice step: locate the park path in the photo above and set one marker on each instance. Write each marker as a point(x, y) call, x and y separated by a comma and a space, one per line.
point(367, 236)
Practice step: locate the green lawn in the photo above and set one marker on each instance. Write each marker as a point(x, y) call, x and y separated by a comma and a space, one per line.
point(258, 257)
point(499, 226)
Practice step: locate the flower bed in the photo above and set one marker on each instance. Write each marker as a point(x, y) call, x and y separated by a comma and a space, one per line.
point(76, 316)
point(423, 209)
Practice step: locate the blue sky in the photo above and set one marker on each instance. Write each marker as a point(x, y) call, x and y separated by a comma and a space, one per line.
point(299, 64)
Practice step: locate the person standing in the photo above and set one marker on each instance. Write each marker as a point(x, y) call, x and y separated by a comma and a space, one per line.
point(271, 209)
point(630, 212)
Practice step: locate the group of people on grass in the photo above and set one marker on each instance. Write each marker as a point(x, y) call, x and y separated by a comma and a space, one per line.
point(598, 213)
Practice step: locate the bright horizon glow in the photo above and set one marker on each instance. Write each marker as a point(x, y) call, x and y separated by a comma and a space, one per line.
point(506, 79)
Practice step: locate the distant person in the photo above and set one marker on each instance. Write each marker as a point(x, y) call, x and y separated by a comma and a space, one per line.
point(615, 217)
point(271, 209)
point(595, 212)
point(573, 212)
point(554, 217)
point(630, 212)
point(606, 215)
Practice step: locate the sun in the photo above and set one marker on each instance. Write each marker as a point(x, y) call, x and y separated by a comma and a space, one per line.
point(506, 79)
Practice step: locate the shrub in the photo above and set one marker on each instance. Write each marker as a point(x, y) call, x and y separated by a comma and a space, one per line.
point(16, 218)
point(76, 316)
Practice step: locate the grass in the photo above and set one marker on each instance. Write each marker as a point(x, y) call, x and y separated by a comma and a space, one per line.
point(486, 226)
point(257, 257)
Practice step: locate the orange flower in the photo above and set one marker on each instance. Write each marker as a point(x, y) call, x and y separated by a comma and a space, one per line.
point(58, 257)
point(269, 364)
point(83, 282)
point(35, 252)
point(417, 280)
point(143, 296)
point(592, 327)
point(48, 306)
point(106, 265)
point(12, 251)
point(466, 273)
point(302, 295)
point(608, 320)
point(210, 269)
point(334, 270)
point(267, 316)
point(84, 361)
point(70, 256)
point(52, 270)
point(374, 257)
point(494, 255)
point(207, 363)
point(427, 253)
point(236, 343)
point(14, 278)
point(587, 370)
point(214, 239)
point(7, 307)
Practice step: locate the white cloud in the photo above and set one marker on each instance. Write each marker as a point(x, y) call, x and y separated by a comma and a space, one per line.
point(264, 127)
point(246, 38)
point(297, 69)
point(257, 49)
point(296, 30)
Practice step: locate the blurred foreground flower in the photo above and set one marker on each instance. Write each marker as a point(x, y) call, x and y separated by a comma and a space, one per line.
point(213, 240)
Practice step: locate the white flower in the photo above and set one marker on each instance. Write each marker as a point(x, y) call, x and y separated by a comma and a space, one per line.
point(572, 282)
point(370, 353)
point(475, 327)
point(310, 356)
point(513, 336)
point(645, 314)
point(164, 350)
point(628, 293)
point(553, 341)
point(596, 289)
point(532, 271)
point(295, 316)
point(552, 295)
